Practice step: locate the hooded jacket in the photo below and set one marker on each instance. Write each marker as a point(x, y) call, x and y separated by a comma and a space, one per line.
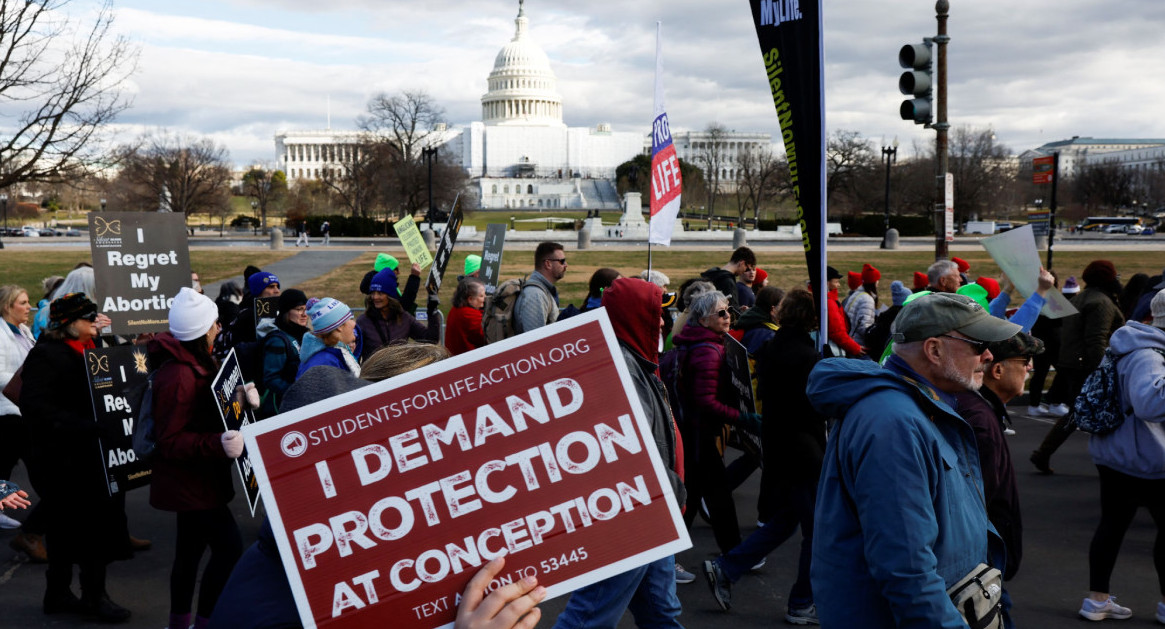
point(191, 471)
point(861, 311)
point(838, 329)
point(753, 329)
point(900, 515)
point(1137, 446)
point(637, 329)
point(312, 352)
point(281, 343)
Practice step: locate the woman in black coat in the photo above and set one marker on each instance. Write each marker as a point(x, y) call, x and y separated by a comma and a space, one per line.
point(85, 526)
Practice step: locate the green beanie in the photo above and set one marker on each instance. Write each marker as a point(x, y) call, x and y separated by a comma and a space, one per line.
point(383, 261)
point(472, 263)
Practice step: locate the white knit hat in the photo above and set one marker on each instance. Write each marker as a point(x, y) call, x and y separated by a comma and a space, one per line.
point(191, 315)
point(1157, 307)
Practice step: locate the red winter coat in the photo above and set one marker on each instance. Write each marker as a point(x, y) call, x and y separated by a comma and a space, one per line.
point(191, 471)
point(463, 330)
point(838, 328)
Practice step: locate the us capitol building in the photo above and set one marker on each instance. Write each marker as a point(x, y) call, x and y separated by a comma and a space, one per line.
point(521, 154)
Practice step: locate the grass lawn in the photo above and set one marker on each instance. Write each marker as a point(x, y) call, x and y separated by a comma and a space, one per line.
point(27, 268)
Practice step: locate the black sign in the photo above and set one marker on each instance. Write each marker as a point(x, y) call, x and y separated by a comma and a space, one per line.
point(445, 248)
point(740, 389)
point(231, 399)
point(491, 255)
point(140, 262)
point(265, 308)
point(112, 372)
point(790, 44)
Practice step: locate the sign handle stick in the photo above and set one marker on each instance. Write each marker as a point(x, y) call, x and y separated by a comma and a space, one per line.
point(1052, 213)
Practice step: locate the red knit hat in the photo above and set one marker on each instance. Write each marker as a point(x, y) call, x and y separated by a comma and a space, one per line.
point(963, 265)
point(854, 280)
point(761, 276)
point(870, 274)
point(1099, 272)
point(920, 281)
point(991, 285)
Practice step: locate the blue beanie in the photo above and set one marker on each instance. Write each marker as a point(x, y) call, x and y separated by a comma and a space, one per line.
point(328, 314)
point(898, 293)
point(384, 282)
point(258, 281)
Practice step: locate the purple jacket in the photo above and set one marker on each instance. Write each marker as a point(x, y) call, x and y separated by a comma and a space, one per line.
point(703, 369)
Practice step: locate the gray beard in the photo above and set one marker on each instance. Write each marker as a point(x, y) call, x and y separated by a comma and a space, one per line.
point(952, 373)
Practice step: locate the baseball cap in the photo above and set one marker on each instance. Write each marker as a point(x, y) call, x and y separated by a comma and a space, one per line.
point(940, 313)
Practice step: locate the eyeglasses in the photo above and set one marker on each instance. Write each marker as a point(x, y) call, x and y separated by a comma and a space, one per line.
point(978, 346)
point(722, 313)
point(561, 261)
point(91, 317)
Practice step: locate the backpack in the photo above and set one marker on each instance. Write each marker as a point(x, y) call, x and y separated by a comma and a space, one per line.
point(497, 322)
point(141, 400)
point(1098, 408)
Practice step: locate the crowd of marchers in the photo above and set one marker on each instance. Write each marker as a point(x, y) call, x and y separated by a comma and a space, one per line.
point(884, 444)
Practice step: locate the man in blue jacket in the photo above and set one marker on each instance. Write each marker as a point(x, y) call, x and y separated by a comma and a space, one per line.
point(900, 513)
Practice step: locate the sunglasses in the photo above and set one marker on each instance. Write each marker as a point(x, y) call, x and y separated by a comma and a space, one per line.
point(91, 317)
point(561, 261)
point(978, 346)
point(722, 313)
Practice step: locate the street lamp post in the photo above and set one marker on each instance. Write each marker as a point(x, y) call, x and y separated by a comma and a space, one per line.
point(254, 226)
point(4, 204)
point(429, 154)
point(890, 153)
point(941, 251)
point(102, 204)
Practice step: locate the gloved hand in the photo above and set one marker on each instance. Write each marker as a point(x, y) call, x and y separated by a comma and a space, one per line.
point(232, 444)
point(252, 395)
point(749, 422)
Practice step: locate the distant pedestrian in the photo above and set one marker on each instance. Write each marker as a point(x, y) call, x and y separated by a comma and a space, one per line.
point(326, 231)
point(301, 234)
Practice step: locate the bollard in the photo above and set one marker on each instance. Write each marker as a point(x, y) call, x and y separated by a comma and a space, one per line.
point(276, 239)
point(430, 238)
point(584, 239)
point(738, 239)
point(890, 240)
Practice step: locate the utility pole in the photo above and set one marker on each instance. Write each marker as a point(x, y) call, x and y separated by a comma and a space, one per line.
point(941, 251)
point(890, 153)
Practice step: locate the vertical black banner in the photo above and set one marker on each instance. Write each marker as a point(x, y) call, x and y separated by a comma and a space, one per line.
point(491, 255)
point(445, 247)
point(231, 400)
point(140, 261)
point(789, 32)
point(112, 372)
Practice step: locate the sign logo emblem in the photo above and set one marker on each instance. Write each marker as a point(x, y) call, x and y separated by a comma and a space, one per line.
point(107, 227)
point(98, 364)
point(293, 444)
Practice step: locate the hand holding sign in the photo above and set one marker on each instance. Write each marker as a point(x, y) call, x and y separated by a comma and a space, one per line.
point(509, 607)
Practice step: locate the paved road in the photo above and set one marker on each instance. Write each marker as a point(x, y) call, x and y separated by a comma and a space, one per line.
point(293, 270)
point(1060, 512)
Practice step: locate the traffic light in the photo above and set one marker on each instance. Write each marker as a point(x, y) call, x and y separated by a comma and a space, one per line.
point(916, 82)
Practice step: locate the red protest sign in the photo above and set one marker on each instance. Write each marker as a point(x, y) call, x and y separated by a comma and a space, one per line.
point(1043, 168)
point(385, 501)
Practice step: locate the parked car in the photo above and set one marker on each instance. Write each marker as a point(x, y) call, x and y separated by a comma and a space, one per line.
point(1134, 229)
point(1114, 229)
point(47, 232)
point(1148, 231)
point(30, 232)
point(1001, 227)
point(72, 232)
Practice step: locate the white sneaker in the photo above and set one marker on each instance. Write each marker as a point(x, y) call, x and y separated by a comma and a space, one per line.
point(8, 523)
point(1058, 410)
point(1108, 609)
point(1009, 431)
point(1038, 411)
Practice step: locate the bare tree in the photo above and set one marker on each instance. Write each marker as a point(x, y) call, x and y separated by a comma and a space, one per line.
point(60, 84)
point(167, 171)
point(266, 186)
point(850, 168)
point(983, 172)
point(711, 154)
point(759, 175)
point(354, 177)
point(409, 121)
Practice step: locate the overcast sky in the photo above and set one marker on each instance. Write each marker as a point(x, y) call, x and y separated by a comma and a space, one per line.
point(1034, 71)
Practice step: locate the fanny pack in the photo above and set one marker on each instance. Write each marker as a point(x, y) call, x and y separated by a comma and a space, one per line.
point(978, 597)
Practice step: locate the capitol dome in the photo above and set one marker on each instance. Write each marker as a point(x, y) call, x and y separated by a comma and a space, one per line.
point(522, 88)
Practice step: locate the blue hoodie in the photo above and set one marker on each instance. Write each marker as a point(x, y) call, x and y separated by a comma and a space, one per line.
point(1137, 446)
point(910, 520)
